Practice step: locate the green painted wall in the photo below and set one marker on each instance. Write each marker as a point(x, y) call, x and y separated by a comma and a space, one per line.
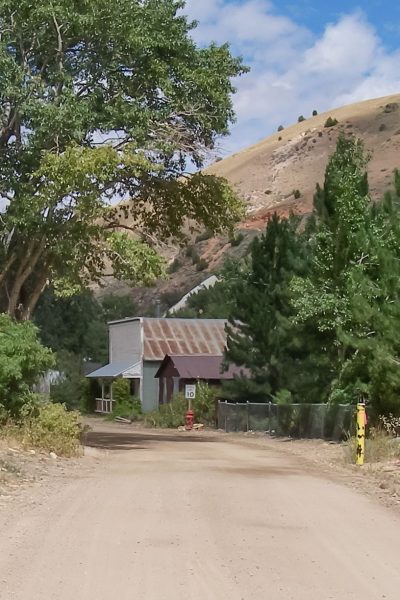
point(150, 386)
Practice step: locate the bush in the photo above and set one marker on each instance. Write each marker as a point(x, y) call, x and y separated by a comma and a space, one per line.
point(171, 415)
point(281, 128)
point(382, 127)
point(205, 235)
point(190, 251)
point(236, 240)
point(320, 134)
point(314, 113)
point(23, 359)
point(297, 194)
point(50, 427)
point(201, 264)
point(205, 405)
point(174, 266)
point(126, 405)
point(301, 119)
point(331, 122)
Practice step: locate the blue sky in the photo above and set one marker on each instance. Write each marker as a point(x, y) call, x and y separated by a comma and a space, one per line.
point(304, 55)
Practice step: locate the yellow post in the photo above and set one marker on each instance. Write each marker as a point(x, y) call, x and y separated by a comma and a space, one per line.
point(360, 434)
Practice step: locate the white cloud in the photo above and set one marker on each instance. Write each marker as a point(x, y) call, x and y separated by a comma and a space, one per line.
point(293, 71)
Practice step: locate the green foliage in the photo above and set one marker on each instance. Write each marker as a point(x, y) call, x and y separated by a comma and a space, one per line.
point(171, 415)
point(78, 325)
point(314, 113)
point(261, 336)
point(331, 122)
point(301, 119)
point(174, 266)
point(217, 301)
point(126, 405)
point(22, 360)
point(51, 427)
point(236, 240)
point(204, 236)
point(85, 121)
point(72, 389)
point(205, 405)
point(201, 264)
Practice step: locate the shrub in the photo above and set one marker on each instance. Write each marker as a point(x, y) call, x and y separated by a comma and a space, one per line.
point(331, 122)
point(281, 128)
point(174, 266)
point(382, 127)
point(205, 235)
point(236, 240)
point(201, 264)
point(51, 427)
point(190, 251)
point(205, 405)
point(23, 359)
point(301, 119)
point(171, 415)
point(314, 113)
point(297, 194)
point(379, 447)
point(320, 134)
point(126, 405)
point(279, 138)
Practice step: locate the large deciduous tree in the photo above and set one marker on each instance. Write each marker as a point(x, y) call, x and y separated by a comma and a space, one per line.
point(103, 100)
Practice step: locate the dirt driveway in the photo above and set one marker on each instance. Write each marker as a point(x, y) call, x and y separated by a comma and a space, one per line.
point(177, 517)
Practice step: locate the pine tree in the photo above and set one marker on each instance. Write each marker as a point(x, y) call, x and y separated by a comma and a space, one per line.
point(261, 336)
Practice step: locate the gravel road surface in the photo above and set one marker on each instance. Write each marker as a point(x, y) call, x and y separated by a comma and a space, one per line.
point(176, 516)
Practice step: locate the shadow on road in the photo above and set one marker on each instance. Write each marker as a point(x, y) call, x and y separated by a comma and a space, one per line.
point(138, 440)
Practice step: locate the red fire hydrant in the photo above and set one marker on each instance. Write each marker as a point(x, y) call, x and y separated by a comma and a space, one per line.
point(189, 420)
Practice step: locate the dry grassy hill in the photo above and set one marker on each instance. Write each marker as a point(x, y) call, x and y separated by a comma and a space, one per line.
point(267, 174)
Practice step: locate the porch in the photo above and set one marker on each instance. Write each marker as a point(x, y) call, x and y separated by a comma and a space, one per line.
point(108, 375)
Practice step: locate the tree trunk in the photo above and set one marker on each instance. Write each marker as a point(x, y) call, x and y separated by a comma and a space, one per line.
point(34, 297)
point(25, 269)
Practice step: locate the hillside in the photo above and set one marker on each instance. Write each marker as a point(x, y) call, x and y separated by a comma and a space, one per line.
point(267, 174)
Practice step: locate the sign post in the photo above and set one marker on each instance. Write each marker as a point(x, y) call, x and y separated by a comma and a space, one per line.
point(190, 395)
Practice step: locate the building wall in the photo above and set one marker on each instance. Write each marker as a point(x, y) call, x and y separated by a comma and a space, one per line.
point(150, 388)
point(126, 342)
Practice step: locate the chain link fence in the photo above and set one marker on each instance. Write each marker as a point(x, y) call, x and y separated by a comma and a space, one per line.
point(324, 421)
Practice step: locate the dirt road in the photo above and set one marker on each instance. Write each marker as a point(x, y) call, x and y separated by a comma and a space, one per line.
point(178, 517)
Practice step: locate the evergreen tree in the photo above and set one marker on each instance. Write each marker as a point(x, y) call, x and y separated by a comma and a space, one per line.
point(261, 336)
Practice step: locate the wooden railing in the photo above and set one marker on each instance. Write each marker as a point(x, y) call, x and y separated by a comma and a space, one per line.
point(104, 405)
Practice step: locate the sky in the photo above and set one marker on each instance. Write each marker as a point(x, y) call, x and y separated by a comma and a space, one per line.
point(303, 55)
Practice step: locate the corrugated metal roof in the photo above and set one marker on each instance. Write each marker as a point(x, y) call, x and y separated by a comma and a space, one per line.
point(112, 370)
point(183, 337)
point(200, 367)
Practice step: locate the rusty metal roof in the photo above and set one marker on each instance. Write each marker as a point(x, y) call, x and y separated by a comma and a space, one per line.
point(183, 337)
point(200, 367)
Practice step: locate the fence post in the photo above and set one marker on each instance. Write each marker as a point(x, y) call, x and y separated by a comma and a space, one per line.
point(360, 433)
point(247, 416)
point(226, 411)
point(269, 418)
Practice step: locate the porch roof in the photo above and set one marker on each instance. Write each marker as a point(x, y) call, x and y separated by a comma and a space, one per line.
point(118, 369)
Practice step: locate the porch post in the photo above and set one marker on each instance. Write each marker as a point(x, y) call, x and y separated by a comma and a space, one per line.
point(102, 395)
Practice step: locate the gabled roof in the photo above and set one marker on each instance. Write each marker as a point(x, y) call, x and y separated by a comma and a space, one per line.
point(200, 367)
point(183, 337)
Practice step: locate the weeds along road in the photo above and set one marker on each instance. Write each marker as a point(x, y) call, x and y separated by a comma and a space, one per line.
point(178, 517)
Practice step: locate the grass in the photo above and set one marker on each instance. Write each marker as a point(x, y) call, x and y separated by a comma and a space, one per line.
point(379, 447)
point(49, 428)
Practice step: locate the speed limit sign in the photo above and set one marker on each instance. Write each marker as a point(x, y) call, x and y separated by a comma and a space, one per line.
point(190, 392)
